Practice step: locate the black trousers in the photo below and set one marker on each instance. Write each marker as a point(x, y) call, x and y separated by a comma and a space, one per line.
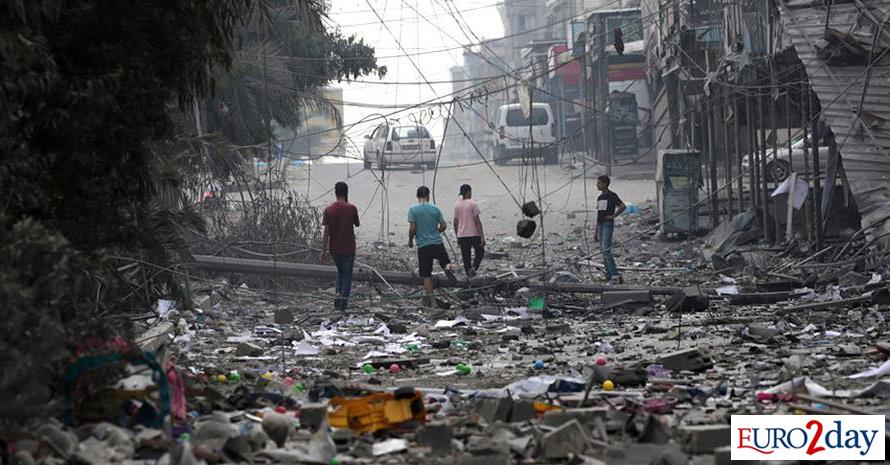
point(468, 245)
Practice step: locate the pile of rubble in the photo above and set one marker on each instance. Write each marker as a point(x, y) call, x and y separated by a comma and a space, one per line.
point(626, 376)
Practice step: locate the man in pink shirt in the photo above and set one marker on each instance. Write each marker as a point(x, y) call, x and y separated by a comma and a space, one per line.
point(468, 227)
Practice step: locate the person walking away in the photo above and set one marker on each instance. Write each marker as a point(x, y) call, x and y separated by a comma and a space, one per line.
point(426, 224)
point(608, 206)
point(340, 220)
point(468, 229)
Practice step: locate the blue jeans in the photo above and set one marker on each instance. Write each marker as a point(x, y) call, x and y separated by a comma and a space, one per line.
point(343, 286)
point(605, 230)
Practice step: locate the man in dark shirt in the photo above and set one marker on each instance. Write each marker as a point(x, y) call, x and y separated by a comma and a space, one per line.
point(339, 221)
point(608, 206)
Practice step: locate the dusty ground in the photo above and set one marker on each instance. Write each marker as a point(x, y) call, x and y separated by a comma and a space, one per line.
point(563, 190)
point(739, 356)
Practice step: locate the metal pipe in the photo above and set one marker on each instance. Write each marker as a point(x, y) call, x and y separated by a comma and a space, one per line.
point(817, 182)
point(306, 270)
point(737, 152)
point(764, 188)
point(807, 146)
point(712, 157)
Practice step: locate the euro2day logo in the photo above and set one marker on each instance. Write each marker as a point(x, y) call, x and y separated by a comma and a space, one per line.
point(807, 437)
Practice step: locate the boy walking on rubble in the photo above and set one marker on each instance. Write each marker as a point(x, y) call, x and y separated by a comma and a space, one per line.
point(339, 221)
point(608, 206)
point(426, 224)
point(468, 229)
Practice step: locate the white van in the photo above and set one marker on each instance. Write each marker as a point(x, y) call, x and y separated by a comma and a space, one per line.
point(511, 133)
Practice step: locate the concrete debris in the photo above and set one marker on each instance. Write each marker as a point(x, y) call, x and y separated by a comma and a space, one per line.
point(685, 360)
point(703, 439)
point(247, 349)
point(518, 370)
point(436, 437)
point(568, 440)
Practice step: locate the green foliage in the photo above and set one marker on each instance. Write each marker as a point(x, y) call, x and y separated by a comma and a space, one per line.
point(94, 165)
point(87, 84)
point(49, 301)
point(284, 56)
point(86, 88)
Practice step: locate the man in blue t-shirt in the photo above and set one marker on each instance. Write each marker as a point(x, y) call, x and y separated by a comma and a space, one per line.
point(427, 224)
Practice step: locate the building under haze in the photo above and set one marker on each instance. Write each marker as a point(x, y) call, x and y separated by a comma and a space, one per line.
point(481, 75)
point(524, 21)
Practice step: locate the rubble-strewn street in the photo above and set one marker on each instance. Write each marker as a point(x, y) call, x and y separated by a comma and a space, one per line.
point(616, 377)
point(512, 232)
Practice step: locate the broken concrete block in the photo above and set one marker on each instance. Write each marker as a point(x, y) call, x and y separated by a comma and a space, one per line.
point(437, 437)
point(722, 457)
point(686, 300)
point(494, 409)
point(203, 302)
point(157, 336)
point(492, 459)
point(702, 439)
point(523, 410)
point(686, 359)
point(568, 439)
point(313, 415)
point(64, 443)
point(586, 416)
point(284, 316)
point(277, 427)
point(629, 377)
point(248, 349)
point(631, 296)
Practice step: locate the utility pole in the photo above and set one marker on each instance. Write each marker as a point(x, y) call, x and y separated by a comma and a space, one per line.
point(602, 76)
point(585, 100)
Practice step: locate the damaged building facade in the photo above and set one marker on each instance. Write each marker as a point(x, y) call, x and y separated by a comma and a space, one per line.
point(783, 102)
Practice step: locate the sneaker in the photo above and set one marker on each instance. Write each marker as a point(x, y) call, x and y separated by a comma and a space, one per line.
point(471, 273)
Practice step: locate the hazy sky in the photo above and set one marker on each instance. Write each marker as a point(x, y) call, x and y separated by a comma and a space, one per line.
point(424, 39)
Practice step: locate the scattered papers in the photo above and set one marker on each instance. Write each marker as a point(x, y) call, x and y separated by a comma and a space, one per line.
point(452, 323)
point(728, 290)
point(800, 190)
point(305, 348)
point(389, 446)
point(164, 307)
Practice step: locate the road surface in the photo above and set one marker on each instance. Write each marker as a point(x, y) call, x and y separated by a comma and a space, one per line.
point(372, 191)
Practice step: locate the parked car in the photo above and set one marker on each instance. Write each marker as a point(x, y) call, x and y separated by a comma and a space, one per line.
point(393, 144)
point(778, 168)
point(510, 131)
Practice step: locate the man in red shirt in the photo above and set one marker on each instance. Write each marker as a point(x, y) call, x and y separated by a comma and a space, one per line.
point(339, 221)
